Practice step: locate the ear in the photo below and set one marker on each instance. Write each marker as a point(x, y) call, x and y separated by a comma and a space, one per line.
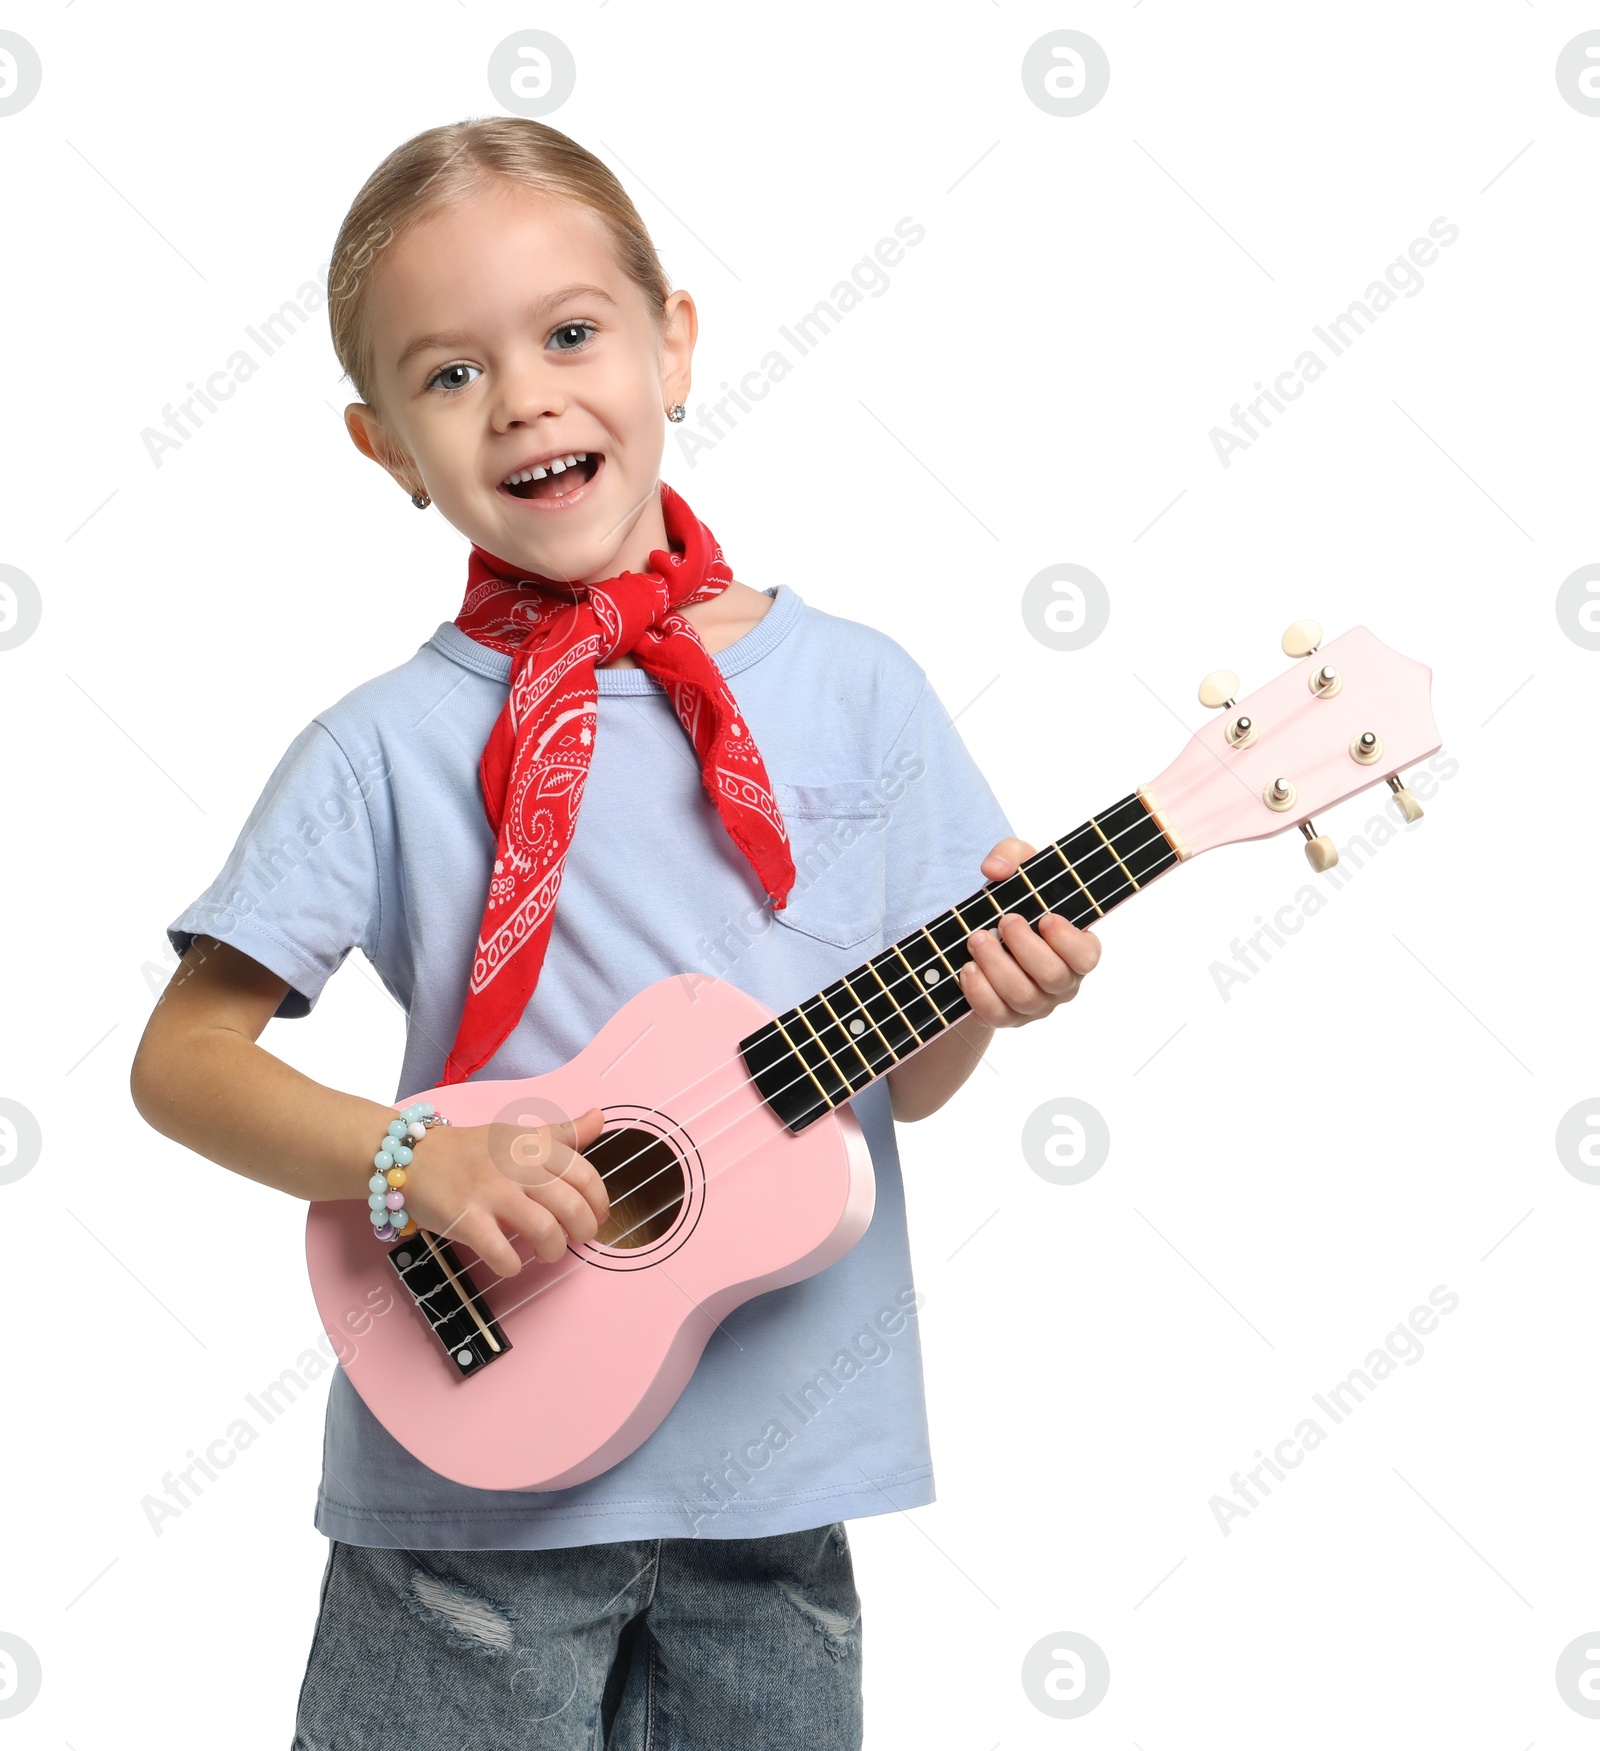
point(372, 438)
point(680, 325)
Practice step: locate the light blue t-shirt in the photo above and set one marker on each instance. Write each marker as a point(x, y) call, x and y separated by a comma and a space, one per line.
point(807, 1405)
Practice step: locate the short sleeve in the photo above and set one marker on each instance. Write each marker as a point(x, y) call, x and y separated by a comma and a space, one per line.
point(943, 819)
point(300, 887)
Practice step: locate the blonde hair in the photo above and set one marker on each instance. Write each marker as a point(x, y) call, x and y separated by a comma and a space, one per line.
point(443, 164)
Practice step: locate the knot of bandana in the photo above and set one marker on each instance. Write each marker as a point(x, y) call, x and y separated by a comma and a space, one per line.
point(536, 760)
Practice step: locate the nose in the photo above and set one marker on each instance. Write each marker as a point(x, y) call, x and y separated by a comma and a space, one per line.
point(525, 390)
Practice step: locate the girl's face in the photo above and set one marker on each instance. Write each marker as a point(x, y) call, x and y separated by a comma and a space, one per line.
point(507, 334)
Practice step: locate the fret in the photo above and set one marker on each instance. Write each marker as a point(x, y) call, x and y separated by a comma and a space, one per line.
point(872, 1069)
point(827, 1068)
point(1044, 904)
point(1107, 843)
point(984, 894)
point(809, 1061)
point(958, 923)
point(1056, 848)
point(937, 949)
point(910, 990)
point(791, 1093)
point(944, 949)
point(944, 993)
point(866, 1039)
point(1097, 868)
point(867, 1014)
point(881, 1011)
point(815, 1071)
point(1143, 847)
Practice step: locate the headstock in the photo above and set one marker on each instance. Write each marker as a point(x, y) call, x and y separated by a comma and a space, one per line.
point(1346, 716)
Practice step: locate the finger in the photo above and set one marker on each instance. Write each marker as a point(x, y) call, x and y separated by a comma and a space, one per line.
point(528, 1153)
point(982, 998)
point(588, 1182)
point(1005, 858)
point(1080, 949)
point(567, 1205)
point(538, 1154)
point(1000, 955)
point(482, 1233)
point(576, 1134)
point(566, 1163)
point(1036, 957)
point(541, 1230)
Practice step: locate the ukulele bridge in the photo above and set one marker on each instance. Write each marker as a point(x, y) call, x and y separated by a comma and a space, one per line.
point(449, 1301)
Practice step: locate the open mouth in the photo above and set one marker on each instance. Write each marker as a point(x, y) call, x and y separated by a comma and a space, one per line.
point(559, 478)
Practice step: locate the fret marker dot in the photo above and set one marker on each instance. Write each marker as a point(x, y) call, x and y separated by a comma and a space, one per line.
point(464, 1357)
point(402, 1259)
point(858, 1026)
point(932, 975)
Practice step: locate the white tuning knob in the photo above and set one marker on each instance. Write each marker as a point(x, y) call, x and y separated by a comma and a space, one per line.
point(1409, 806)
point(1301, 639)
point(1219, 688)
point(1321, 852)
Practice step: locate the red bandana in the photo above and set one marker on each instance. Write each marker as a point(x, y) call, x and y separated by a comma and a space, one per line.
point(537, 757)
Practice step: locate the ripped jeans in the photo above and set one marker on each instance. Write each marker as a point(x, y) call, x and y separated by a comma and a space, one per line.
point(664, 1644)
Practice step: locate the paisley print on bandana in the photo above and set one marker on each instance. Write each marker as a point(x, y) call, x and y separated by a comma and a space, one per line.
point(536, 760)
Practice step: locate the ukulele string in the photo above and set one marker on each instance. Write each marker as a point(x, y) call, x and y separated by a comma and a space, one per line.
point(889, 986)
point(915, 975)
point(679, 1126)
point(577, 1264)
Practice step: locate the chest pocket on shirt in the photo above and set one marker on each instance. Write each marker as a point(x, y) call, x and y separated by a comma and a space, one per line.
point(836, 839)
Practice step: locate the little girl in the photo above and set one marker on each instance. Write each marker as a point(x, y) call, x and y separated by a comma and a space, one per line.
point(716, 778)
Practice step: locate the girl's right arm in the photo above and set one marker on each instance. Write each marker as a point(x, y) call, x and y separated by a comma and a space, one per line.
point(200, 1078)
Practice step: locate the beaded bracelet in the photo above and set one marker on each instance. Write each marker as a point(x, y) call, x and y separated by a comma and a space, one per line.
point(387, 1199)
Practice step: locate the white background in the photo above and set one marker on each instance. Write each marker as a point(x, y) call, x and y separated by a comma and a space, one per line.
point(1292, 1169)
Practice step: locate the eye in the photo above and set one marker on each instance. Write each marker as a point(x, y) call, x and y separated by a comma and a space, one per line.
point(441, 379)
point(583, 330)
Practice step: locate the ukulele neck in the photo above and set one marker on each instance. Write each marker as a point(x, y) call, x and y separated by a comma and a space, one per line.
point(819, 1054)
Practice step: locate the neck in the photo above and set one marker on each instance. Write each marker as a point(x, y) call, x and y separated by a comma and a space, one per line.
point(819, 1054)
point(645, 534)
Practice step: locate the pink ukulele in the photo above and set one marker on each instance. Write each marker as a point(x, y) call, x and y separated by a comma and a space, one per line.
point(731, 1158)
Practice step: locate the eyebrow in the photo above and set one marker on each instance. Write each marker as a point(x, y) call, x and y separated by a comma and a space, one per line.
point(454, 338)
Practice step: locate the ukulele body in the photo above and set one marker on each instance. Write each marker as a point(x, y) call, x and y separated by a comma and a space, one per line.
point(602, 1341)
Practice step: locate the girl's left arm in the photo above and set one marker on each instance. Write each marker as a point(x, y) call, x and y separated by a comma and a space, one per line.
point(1018, 973)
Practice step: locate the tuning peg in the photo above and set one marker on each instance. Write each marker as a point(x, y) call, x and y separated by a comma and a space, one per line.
point(1301, 639)
point(1219, 688)
point(1321, 853)
point(1409, 806)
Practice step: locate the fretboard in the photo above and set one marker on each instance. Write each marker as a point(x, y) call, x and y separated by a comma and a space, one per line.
point(815, 1056)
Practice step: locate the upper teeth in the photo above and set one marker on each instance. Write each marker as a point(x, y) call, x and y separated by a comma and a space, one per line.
point(555, 466)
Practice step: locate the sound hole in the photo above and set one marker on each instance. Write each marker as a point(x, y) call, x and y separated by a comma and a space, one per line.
point(644, 1181)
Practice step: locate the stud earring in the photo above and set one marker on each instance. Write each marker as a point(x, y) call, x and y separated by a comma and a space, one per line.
point(421, 500)
point(675, 413)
